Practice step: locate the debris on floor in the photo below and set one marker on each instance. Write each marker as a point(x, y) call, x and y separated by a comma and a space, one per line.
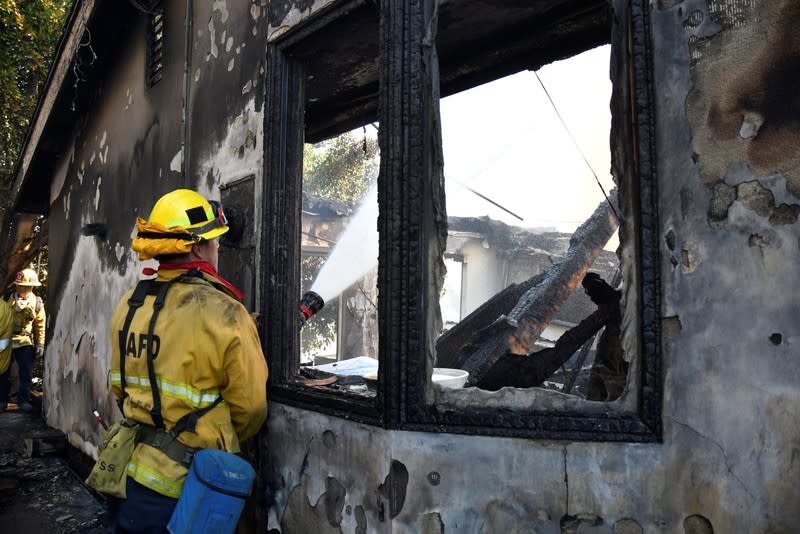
point(39, 493)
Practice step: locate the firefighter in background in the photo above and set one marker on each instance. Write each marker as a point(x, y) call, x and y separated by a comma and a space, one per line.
point(203, 350)
point(28, 337)
point(6, 332)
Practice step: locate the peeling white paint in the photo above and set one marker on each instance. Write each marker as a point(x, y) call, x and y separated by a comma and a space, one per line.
point(81, 174)
point(238, 49)
point(222, 7)
point(295, 16)
point(751, 123)
point(225, 163)
point(103, 139)
point(222, 37)
point(229, 44)
point(213, 32)
point(231, 63)
point(104, 155)
point(177, 162)
point(97, 192)
point(247, 87)
point(197, 75)
point(60, 176)
point(119, 250)
point(65, 199)
point(91, 159)
point(86, 304)
point(277, 32)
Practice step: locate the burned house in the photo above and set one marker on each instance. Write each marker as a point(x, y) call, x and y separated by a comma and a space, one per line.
point(223, 96)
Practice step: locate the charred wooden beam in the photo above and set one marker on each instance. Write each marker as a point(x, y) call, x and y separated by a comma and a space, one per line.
point(451, 347)
point(516, 331)
point(533, 369)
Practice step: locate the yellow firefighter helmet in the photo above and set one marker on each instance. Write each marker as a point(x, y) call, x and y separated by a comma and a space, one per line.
point(27, 277)
point(191, 212)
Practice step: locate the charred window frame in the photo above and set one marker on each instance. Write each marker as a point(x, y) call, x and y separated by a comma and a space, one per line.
point(296, 112)
point(155, 44)
point(409, 183)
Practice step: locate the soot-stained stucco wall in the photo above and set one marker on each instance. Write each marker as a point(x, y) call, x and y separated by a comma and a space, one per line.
point(726, 132)
point(726, 137)
point(130, 146)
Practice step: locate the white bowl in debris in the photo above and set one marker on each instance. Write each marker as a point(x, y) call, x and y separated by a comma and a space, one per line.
point(449, 378)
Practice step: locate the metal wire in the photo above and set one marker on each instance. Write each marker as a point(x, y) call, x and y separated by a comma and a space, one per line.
point(574, 142)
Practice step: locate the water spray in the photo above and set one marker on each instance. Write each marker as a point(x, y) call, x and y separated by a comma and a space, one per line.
point(310, 304)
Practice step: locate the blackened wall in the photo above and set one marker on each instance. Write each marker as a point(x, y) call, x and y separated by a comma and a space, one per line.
point(198, 127)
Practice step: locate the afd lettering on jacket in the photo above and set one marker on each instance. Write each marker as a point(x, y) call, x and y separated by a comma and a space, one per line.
point(136, 345)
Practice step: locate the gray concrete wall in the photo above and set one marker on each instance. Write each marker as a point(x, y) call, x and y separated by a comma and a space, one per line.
point(727, 127)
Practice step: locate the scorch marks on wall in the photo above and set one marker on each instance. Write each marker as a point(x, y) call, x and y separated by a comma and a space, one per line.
point(744, 110)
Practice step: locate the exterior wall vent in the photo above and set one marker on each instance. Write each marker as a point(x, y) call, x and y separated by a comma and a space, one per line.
point(155, 43)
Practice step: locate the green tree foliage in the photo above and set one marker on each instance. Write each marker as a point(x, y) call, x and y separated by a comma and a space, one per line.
point(29, 31)
point(340, 168)
point(321, 329)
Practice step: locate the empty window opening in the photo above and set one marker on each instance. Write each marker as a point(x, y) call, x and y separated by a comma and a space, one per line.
point(531, 209)
point(321, 200)
point(523, 223)
point(339, 247)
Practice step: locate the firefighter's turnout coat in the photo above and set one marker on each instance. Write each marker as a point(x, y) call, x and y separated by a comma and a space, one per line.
point(6, 333)
point(205, 344)
point(29, 320)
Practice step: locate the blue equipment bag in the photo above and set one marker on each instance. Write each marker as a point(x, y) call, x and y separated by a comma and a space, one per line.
point(213, 495)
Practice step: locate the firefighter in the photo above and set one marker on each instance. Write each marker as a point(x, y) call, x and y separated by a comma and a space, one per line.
point(28, 337)
point(6, 332)
point(201, 347)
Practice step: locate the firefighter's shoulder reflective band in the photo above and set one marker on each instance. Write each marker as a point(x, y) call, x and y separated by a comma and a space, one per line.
point(4, 343)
